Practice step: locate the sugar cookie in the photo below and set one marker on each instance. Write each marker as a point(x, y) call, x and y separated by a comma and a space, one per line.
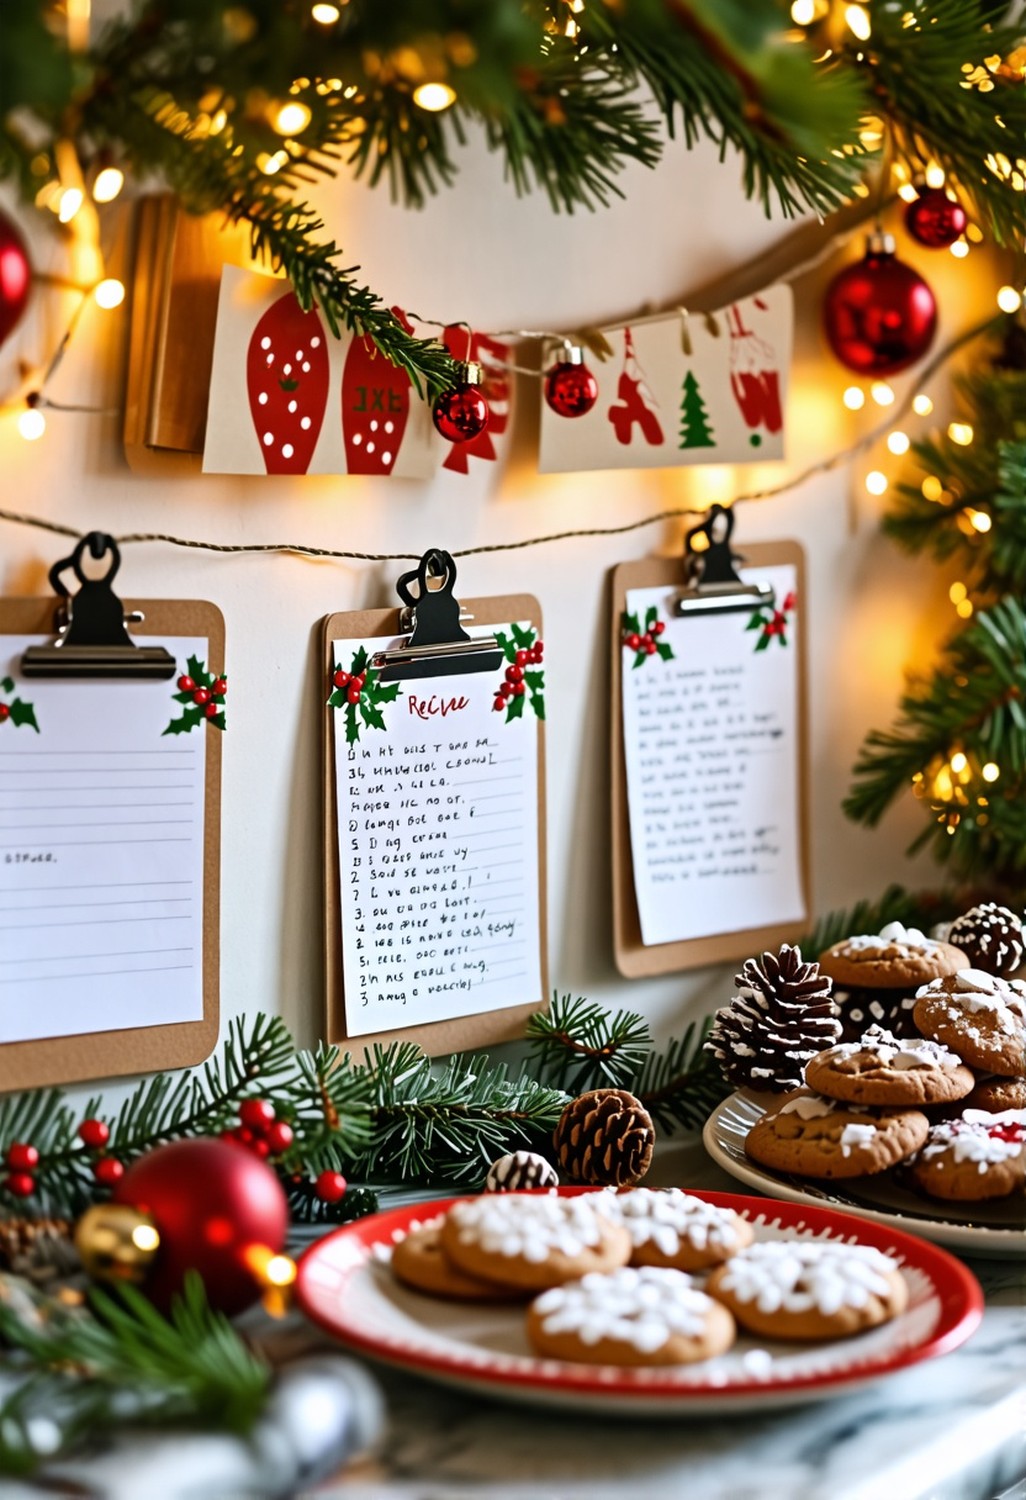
point(810, 1289)
point(669, 1227)
point(533, 1241)
point(419, 1261)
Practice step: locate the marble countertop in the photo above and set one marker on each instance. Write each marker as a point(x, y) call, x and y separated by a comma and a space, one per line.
point(952, 1429)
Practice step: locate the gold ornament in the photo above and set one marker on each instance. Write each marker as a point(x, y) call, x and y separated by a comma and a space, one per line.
point(116, 1242)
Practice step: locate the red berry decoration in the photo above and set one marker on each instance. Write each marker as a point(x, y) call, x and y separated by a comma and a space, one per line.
point(571, 390)
point(499, 704)
point(341, 679)
point(22, 1157)
point(93, 1134)
point(219, 687)
point(287, 377)
point(659, 627)
point(879, 315)
point(201, 696)
point(462, 413)
point(353, 693)
point(634, 641)
point(260, 1148)
point(15, 276)
point(213, 1206)
point(109, 1170)
point(518, 690)
point(934, 220)
point(5, 712)
point(330, 1187)
point(186, 684)
point(650, 646)
point(514, 674)
point(279, 1138)
point(21, 1184)
point(522, 658)
point(212, 710)
point(257, 1114)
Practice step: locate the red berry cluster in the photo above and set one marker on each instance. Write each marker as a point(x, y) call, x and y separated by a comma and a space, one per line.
point(210, 699)
point(259, 1129)
point(514, 686)
point(354, 684)
point(22, 1159)
point(5, 712)
point(646, 642)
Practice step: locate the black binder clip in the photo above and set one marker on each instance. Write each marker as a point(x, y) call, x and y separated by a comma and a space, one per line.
point(91, 639)
point(710, 568)
point(438, 644)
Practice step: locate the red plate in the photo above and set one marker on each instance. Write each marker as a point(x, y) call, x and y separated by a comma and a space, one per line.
point(344, 1285)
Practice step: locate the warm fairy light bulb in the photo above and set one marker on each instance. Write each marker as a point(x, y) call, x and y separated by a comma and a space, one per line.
point(69, 203)
point(280, 1270)
point(145, 1237)
point(964, 609)
point(325, 15)
point(931, 487)
point(109, 293)
point(907, 193)
point(270, 164)
point(991, 771)
point(981, 521)
point(858, 22)
point(876, 482)
point(854, 398)
point(1008, 299)
point(291, 118)
point(434, 96)
point(957, 592)
point(958, 762)
point(31, 424)
point(960, 433)
point(882, 393)
point(108, 184)
point(898, 443)
point(922, 405)
point(935, 175)
point(803, 12)
point(960, 249)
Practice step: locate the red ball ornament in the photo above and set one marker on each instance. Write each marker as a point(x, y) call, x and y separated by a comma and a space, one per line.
point(330, 1187)
point(935, 220)
point(571, 390)
point(879, 315)
point(216, 1209)
point(15, 276)
point(462, 413)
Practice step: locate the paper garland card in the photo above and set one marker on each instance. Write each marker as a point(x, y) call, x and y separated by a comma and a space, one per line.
point(659, 406)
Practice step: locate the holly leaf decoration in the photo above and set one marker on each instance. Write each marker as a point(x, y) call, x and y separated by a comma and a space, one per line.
point(515, 710)
point(782, 638)
point(360, 661)
point(338, 698)
point(641, 657)
point(191, 717)
point(651, 616)
point(665, 650)
point(629, 624)
point(198, 672)
point(372, 717)
point(22, 713)
point(535, 681)
point(507, 647)
point(352, 727)
point(7, 684)
point(538, 704)
point(524, 638)
point(387, 694)
point(216, 721)
point(763, 642)
point(756, 621)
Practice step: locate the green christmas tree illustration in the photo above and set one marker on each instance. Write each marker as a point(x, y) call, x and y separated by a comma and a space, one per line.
point(695, 431)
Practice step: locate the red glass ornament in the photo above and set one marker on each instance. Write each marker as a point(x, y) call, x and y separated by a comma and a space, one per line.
point(935, 220)
point(21, 1184)
point(462, 413)
point(94, 1134)
point(879, 315)
point(15, 276)
point(330, 1187)
point(211, 1203)
point(571, 390)
point(21, 1156)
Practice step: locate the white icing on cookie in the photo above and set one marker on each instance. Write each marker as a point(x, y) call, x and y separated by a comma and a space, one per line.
point(858, 1137)
point(900, 1054)
point(520, 1224)
point(808, 1107)
point(666, 1217)
point(908, 940)
point(1003, 1000)
point(970, 1140)
point(641, 1307)
point(1000, 1117)
point(802, 1276)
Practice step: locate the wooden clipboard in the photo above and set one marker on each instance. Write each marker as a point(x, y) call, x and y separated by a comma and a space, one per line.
point(138, 1049)
point(462, 1033)
point(633, 959)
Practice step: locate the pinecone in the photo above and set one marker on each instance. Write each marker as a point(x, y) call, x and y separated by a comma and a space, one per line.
point(42, 1251)
point(782, 1015)
point(605, 1138)
point(520, 1169)
point(991, 937)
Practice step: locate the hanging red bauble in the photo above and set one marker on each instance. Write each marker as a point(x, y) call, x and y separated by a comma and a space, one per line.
point(878, 314)
point(935, 220)
point(218, 1211)
point(462, 413)
point(570, 388)
point(15, 276)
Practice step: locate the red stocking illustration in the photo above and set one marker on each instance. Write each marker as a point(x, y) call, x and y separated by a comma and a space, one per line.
point(495, 385)
point(287, 382)
point(754, 378)
point(636, 402)
point(375, 406)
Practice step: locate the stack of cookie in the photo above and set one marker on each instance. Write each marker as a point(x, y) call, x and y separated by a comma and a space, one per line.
point(876, 976)
point(613, 1275)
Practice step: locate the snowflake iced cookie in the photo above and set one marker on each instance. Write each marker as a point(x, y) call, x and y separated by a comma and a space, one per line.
point(648, 1315)
point(534, 1241)
point(669, 1227)
point(419, 1261)
point(883, 1069)
point(980, 1017)
point(895, 958)
point(810, 1289)
point(977, 1157)
point(811, 1136)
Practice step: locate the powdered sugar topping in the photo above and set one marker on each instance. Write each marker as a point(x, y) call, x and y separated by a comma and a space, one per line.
point(857, 1138)
point(974, 1138)
point(974, 991)
point(642, 1307)
point(517, 1224)
point(801, 1277)
point(669, 1217)
point(898, 1053)
point(905, 942)
point(808, 1107)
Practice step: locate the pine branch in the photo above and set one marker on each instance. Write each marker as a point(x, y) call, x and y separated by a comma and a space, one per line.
point(682, 1085)
point(578, 1045)
point(895, 905)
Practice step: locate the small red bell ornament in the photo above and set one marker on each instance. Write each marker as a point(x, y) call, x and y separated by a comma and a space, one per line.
point(571, 390)
point(879, 315)
point(462, 413)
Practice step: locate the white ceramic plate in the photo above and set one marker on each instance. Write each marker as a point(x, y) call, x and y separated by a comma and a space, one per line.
point(346, 1286)
point(997, 1228)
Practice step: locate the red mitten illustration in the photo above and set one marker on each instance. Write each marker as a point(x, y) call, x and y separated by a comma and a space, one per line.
point(754, 379)
point(287, 380)
point(636, 402)
point(375, 407)
point(496, 388)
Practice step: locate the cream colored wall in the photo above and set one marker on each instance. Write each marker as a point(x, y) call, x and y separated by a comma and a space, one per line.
point(477, 253)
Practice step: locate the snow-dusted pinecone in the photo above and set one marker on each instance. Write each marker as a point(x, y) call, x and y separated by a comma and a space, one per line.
point(991, 937)
point(783, 1014)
